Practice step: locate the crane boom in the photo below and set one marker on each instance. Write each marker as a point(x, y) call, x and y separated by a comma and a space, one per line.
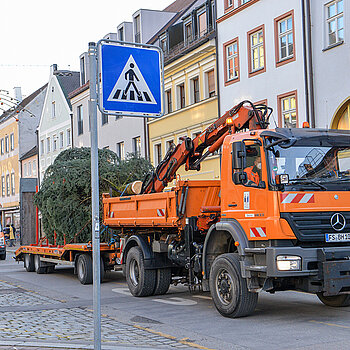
point(245, 115)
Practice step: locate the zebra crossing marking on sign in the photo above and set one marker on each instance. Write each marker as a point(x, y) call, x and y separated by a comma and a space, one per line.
point(131, 86)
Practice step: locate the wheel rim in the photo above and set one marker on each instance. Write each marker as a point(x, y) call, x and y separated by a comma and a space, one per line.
point(81, 269)
point(134, 272)
point(37, 262)
point(225, 288)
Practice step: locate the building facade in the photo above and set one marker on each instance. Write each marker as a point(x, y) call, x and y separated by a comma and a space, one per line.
point(191, 101)
point(55, 127)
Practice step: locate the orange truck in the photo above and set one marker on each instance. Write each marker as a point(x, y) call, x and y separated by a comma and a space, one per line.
point(278, 219)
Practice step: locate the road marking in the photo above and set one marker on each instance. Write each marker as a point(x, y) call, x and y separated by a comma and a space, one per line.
point(176, 301)
point(202, 297)
point(330, 324)
point(124, 291)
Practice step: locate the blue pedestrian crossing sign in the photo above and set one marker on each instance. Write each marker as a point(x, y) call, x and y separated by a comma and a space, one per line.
point(131, 80)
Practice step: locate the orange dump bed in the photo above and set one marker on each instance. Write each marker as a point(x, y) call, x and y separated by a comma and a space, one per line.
point(165, 209)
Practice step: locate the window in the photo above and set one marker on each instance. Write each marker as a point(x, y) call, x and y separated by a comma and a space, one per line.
point(163, 44)
point(253, 167)
point(61, 140)
point(68, 137)
point(168, 145)
point(168, 102)
point(7, 185)
point(25, 169)
point(157, 153)
point(188, 32)
point(6, 144)
point(136, 145)
point(121, 34)
point(120, 150)
point(80, 120)
point(104, 119)
point(3, 186)
point(256, 51)
point(284, 38)
point(48, 146)
point(181, 96)
point(334, 22)
point(42, 151)
point(34, 167)
point(30, 169)
point(54, 143)
point(13, 183)
point(195, 90)
point(53, 110)
point(202, 24)
point(231, 56)
point(82, 70)
point(244, 2)
point(12, 142)
point(288, 110)
point(137, 29)
point(210, 78)
point(228, 4)
point(2, 146)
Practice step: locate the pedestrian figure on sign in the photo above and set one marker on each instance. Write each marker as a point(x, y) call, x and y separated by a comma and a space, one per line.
point(130, 75)
point(12, 236)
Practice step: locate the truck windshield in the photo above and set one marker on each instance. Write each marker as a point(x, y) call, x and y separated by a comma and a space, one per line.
point(323, 168)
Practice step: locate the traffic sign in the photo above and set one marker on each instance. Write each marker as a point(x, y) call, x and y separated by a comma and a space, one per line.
point(131, 80)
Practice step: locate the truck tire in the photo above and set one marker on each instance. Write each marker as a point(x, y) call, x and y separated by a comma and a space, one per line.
point(163, 280)
point(84, 269)
point(50, 269)
point(3, 256)
point(335, 300)
point(141, 282)
point(29, 262)
point(39, 269)
point(229, 289)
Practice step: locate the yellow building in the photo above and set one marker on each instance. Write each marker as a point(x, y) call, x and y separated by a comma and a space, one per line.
point(9, 169)
point(191, 102)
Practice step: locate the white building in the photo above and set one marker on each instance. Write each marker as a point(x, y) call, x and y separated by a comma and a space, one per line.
point(54, 130)
point(270, 51)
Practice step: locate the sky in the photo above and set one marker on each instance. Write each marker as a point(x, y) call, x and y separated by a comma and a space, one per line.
point(34, 34)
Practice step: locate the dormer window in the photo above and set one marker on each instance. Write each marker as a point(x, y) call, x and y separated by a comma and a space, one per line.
point(121, 34)
point(188, 32)
point(137, 25)
point(163, 43)
point(202, 24)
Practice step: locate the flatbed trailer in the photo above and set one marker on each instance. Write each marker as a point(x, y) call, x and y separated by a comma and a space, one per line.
point(43, 258)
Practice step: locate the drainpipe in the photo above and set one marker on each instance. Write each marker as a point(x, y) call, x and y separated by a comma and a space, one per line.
point(37, 146)
point(71, 129)
point(146, 137)
point(306, 77)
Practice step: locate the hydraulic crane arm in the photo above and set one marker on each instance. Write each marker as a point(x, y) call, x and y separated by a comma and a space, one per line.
point(245, 115)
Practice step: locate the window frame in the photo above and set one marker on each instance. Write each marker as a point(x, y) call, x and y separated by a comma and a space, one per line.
point(68, 135)
point(2, 146)
point(13, 184)
point(199, 14)
point(7, 144)
point(80, 120)
point(330, 19)
point(280, 98)
point(227, 5)
point(251, 72)
point(180, 97)
point(137, 145)
point(207, 90)
point(120, 150)
point(277, 20)
point(168, 101)
point(195, 93)
point(3, 186)
point(8, 185)
point(188, 39)
point(48, 145)
point(12, 141)
point(104, 119)
point(225, 46)
point(157, 155)
point(61, 140)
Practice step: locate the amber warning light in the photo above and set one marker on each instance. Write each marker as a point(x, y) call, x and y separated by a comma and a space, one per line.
point(229, 121)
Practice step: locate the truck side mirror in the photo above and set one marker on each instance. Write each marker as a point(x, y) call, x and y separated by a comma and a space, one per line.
point(238, 155)
point(240, 177)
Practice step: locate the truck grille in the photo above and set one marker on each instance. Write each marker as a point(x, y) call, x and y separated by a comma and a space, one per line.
point(311, 227)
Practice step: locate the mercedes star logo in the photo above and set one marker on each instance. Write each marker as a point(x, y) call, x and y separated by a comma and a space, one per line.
point(338, 221)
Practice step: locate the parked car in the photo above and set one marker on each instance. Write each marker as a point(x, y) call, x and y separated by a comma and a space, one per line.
point(2, 244)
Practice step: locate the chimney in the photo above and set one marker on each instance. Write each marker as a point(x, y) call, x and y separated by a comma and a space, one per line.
point(18, 93)
point(53, 68)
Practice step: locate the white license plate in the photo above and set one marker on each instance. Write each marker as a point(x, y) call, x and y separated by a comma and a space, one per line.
point(337, 237)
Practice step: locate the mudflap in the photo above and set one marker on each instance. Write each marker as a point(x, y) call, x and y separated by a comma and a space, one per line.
point(335, 273)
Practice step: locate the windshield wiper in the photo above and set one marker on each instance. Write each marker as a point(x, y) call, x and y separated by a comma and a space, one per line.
point(308, 182)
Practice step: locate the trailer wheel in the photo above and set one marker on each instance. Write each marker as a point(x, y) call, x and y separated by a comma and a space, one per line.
point(163, 280)
point(3, 256)
point(141, 282)
point(38, 265)
point(229, 289)
point(50, 269)
point(335, 300)
point(84, 269)
point(29, 262)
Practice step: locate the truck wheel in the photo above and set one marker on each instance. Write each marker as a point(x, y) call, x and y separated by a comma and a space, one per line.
point(84, 269)
point(38, 266)
point(229, 289)
point(29, 262)
point(3, 256)
point(335, 300)
point(50, 269)
point(141, 282)
point(163, 280)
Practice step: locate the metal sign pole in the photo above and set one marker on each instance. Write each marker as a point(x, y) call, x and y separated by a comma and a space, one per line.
point(95, 197)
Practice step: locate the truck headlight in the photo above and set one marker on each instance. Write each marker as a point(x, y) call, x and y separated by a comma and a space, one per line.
point(288, 262)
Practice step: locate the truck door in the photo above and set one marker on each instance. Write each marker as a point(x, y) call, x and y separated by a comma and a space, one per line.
point(247, 200)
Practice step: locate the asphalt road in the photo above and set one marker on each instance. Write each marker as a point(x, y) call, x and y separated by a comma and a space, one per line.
point(55, 310)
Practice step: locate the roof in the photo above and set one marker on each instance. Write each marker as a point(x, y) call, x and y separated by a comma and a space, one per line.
point(69, 81)
point(32, 152)
point(7, 114)
point(79, 90)
point(178, 5)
